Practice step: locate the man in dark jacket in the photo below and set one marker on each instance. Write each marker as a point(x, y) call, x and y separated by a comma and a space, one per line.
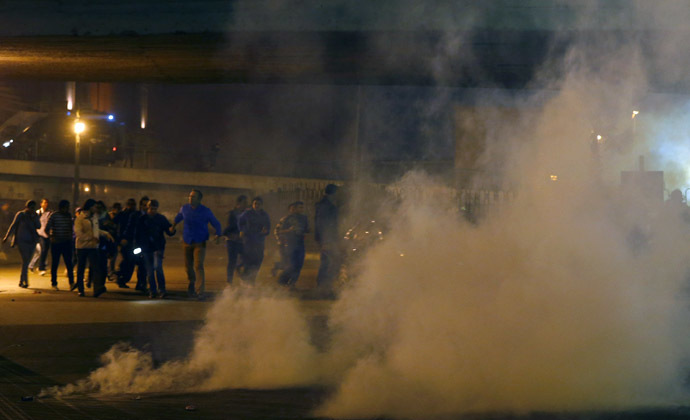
point(128, 239)
point(232, 236)
point(60, 230)
point(23, 233)
point(291, 230)
point(149, 238)
point(124, 273)
point(106, 247)
point(327, 236)
point(114, 216)
point(254, 227)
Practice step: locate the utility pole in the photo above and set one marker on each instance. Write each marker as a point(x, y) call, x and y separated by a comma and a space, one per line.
point(78, 129)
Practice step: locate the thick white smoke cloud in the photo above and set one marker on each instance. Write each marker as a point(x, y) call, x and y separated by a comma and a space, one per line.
point(569, 297)
point(544, 308)
point(250, 340)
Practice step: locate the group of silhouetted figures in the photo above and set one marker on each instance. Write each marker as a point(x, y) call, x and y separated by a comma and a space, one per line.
point(96, 237)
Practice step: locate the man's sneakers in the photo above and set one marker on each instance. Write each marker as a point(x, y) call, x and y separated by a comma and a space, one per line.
point(42, 273)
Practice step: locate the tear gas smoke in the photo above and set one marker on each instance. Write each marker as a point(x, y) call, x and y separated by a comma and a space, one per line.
point(570, 297)
point(543, 308)
point(249, 340)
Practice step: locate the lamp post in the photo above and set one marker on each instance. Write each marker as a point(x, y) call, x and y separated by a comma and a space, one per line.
point(79, 128)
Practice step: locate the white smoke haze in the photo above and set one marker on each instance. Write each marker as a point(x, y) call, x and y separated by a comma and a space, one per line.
point(546, 305)
point(250, 340)
point(542, 308)
point(255, 340)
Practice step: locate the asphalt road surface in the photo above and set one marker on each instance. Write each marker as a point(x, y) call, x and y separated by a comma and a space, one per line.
point(52, 338)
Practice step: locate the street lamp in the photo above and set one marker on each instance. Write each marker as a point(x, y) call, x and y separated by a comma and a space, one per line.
point(79, 128)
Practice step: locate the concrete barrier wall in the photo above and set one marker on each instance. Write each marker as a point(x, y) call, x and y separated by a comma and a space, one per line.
point(24, 180)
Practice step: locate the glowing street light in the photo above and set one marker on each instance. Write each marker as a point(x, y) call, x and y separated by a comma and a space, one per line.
point(634, 125)
point(79, 127)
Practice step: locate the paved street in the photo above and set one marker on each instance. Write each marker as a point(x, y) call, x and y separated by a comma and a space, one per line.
point(52, 337)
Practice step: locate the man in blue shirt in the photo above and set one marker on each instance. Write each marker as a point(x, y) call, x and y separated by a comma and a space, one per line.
point(196, 219)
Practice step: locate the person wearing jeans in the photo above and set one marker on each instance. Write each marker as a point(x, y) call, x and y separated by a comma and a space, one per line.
point(326, 224)
point(87, 233)
point(196, 218)
point(149, 238)
point(43, 214)
point(254, 226)
point(59, 229)
point(23, 233)
point(291, 230)
point(233, 242)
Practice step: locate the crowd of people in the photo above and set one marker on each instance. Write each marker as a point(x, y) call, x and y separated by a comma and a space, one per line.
point(97, 237)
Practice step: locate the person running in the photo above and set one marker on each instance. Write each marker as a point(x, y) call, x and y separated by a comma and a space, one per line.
point(5, 221)
point(23, 234)
point(60, 230)
point(149, 238)
point(326, 234)
point(44, 214)
point(124, 272)
point(232, 235)
point(136, 259)
point(106, 246)
point(254, 226)
point(88, 233)
point(196, 218)
point(112, 257)
point(291, 230)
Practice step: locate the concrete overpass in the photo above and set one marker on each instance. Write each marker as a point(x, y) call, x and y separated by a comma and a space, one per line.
point(466, 43)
